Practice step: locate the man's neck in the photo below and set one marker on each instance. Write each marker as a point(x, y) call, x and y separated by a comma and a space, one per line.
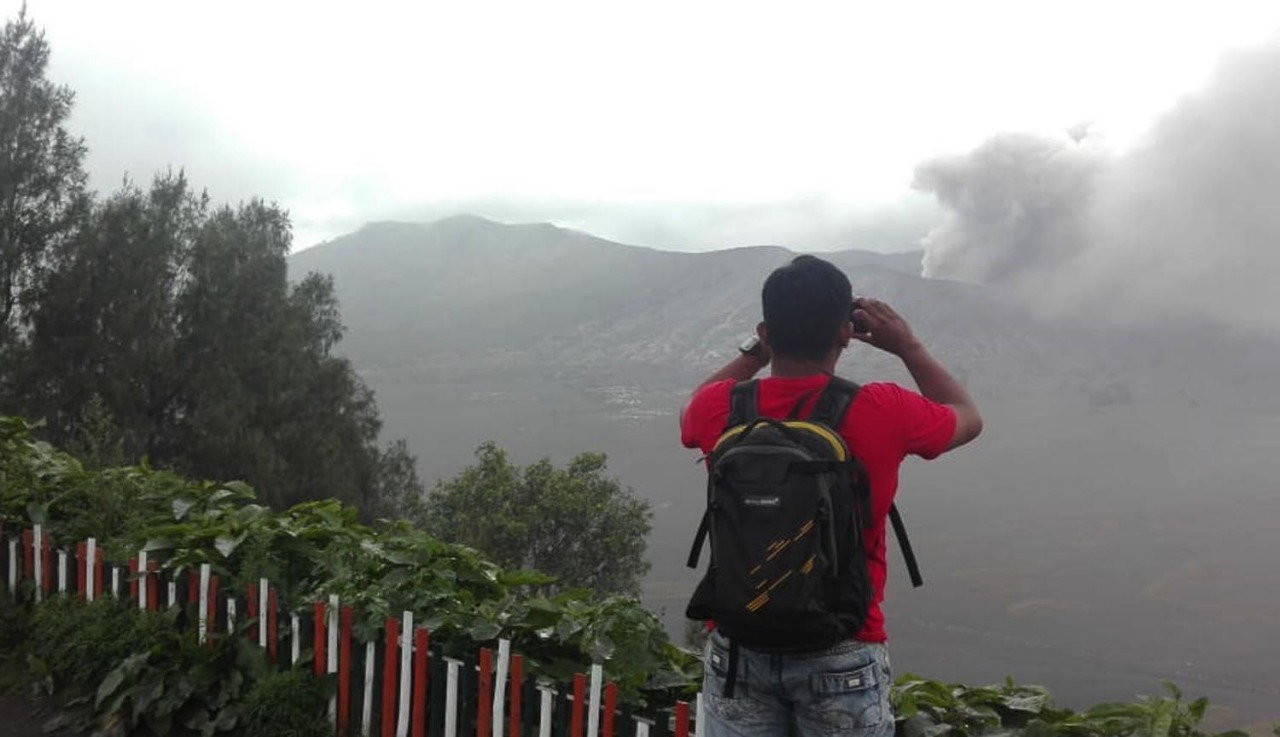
point(784, 367)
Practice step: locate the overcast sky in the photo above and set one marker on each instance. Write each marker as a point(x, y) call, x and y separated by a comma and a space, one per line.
point(675, 124)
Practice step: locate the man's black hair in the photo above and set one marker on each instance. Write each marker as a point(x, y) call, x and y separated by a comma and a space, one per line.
point(805, 304)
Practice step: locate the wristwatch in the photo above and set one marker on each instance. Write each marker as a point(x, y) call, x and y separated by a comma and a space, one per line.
point(752, 347)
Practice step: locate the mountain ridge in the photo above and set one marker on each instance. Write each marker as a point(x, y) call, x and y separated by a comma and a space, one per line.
point(1116, 464)
point(466, 225)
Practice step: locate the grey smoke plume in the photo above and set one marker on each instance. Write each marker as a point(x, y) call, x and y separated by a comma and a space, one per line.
point(1185, 224)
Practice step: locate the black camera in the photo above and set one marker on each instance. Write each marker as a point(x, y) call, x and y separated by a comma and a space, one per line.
point(859, 325)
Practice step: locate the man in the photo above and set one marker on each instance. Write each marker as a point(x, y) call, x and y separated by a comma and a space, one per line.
point(808, 305)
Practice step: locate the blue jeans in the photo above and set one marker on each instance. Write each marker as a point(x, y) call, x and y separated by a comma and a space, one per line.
point(843, 690)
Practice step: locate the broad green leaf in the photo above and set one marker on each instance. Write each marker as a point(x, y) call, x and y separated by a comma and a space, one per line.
point(159, 544)
point(1030, 704)
point(109, 685)
point(181, 507)
point(1114, 709)
point(483, 631)
point(145, 694)
point(1162, 719)
point(602, 648)
point(227, 544)
point(524, 577)
point(38, 513)
point(1196, 709)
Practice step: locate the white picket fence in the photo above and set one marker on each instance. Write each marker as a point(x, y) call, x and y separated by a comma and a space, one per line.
point(402, 699)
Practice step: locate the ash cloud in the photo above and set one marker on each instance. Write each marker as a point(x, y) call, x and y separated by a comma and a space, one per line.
point(1183, 225)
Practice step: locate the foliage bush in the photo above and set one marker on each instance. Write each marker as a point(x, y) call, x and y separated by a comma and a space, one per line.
point(74, 645)
point(575, 523)
point(121, 672)
point(114, 670)
point(179, 686)
point(289, 703)
point(13, 633)
point(316, 549)
point(927, 708)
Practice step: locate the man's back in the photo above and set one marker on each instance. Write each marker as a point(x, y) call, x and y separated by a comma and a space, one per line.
point(884, 424)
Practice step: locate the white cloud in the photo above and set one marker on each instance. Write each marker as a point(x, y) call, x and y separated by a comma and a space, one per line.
point(373, 108)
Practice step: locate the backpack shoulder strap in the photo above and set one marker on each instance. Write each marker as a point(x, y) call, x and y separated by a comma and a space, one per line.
point(834, 402)
point(908, 555)
point(743, 406)
point(830, 411)
point(699, 538)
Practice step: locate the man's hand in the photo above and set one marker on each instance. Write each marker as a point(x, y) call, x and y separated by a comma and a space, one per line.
point(886, 329)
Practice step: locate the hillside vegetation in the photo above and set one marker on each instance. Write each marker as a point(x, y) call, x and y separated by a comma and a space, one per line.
point(116, 670)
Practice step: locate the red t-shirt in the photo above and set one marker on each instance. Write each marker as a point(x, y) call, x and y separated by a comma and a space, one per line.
point(884, 424)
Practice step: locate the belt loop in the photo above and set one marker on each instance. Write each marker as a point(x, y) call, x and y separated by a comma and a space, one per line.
point(731, 678)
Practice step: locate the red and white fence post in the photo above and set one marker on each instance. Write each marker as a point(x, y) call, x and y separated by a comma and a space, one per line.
point(82, 563)
point(37, 550)
point(346, 615)
point(366, 707)
point(203, 623)
point(62, 571)
point(273, 631)
point(484, 693)
point(152, 576)
point(264, 598)
point(140, 570)
point(593, 709)
point(545, 705)
point(501, 669)
point(682, 719)
point(390, 661)
point(610, 705)
point(406, 675)
point(451, 697)
point(295, 639)
point(421, 642)
point(517, 682)
point(13, 568)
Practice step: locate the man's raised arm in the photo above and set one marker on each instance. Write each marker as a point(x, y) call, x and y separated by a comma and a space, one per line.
point(888, 331)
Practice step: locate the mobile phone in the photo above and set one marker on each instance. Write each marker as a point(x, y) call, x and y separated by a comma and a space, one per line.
point(859, 325)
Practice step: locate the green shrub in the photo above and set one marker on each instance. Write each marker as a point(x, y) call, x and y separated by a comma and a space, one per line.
point(178, 686)
point(121, 672)
point(286, 704)
point(12, 637)
point(11, 629)
point(926, 708)
point(75, 645)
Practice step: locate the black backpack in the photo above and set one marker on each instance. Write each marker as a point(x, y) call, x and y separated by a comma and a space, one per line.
point(787, 504)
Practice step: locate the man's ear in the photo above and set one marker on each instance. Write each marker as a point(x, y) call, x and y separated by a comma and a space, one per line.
point(846, 334)
point(762, 333)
